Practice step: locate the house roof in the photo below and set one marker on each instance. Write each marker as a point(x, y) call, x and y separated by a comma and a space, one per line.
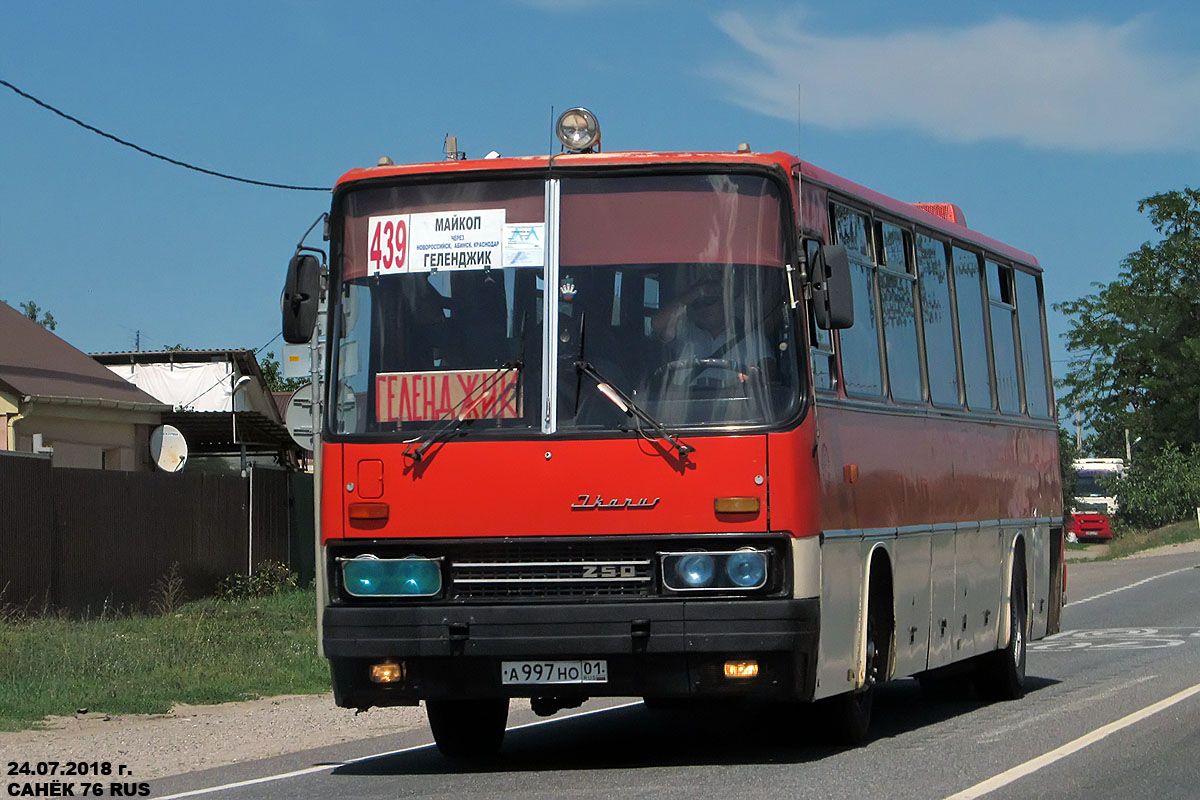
point(245, 360)
point(36, 363)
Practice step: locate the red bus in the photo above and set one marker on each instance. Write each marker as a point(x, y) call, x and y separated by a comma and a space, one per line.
point(672, 426)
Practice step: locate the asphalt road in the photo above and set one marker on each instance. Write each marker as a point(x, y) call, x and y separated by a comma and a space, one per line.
point(1113, 711)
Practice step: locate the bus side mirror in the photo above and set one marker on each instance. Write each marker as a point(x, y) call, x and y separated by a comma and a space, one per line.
point(301, 294)
point(832, 297)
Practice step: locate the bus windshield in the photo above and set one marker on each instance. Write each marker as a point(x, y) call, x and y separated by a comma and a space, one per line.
point(671, 287)
point(1094, 484)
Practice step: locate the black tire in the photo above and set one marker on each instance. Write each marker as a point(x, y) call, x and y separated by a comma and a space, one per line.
point(1001, 675)
point(468, 728)
point(848, 716)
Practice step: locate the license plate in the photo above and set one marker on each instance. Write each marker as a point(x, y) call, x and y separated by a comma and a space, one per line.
point(583, 671)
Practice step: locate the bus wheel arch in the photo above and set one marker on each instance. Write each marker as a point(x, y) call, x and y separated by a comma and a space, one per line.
point(849, 714)
point(879, 609)
point(1000, 675)
point(1016, 566)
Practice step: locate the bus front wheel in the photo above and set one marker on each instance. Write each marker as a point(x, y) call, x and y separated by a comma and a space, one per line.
point(468, 728)
point(849, 714)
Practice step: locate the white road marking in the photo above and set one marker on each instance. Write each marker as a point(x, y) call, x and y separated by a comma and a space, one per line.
point(330, 767)
point(1130, 586)
point(1034, 764)
point(1111, 639)
point(996, 734)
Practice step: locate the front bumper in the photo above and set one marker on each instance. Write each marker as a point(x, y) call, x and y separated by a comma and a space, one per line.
point(660, 649)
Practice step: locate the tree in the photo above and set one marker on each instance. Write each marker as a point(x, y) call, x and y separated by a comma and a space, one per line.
point(32, 310)
point(1135, 343)
point(273, 374)
point(1067, 453)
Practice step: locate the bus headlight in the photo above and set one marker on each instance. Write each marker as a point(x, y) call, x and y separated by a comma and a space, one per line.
point(370, 576)
point(747, 569)
point(715, 571)
point(578, 130)
point(695, 571)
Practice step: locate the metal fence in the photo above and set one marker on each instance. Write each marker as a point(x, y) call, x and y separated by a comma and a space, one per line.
point(81, 539)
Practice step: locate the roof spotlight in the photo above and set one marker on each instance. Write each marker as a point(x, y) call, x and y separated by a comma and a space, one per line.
point(578, 130)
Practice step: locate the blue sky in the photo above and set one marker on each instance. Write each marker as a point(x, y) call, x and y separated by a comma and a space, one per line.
point(1045, 122)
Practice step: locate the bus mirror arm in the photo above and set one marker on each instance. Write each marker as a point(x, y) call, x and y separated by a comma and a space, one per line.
point(301, 296)
point(832, 297)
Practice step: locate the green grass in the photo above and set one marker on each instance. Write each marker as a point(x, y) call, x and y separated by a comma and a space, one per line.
point(207, 651)
point(1133, 541)
point(1127, 541)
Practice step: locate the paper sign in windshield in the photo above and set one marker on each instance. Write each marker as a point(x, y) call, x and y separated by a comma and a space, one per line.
point(437, 240)
point(447, 394)
point(524, 244)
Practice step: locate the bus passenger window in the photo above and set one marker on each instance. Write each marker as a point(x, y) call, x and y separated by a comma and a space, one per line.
point(861, 365)
point(968, 289)
point(1033, 349)
point(1004, 336)
point(933, 284)
point(898, 305)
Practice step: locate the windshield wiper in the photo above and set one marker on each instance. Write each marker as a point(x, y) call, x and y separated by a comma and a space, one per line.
point(630, 408)
point(453, 424)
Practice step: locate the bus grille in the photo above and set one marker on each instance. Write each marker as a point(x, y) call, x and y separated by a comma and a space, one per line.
point(545, 571)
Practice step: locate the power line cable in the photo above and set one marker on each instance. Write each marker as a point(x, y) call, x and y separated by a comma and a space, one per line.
point(159, 156)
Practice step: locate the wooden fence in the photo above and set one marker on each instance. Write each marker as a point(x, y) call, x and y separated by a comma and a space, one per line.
point(81, 539)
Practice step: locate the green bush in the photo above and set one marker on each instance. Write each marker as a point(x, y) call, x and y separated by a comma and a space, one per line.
point(269, 577)
point(1160, 489)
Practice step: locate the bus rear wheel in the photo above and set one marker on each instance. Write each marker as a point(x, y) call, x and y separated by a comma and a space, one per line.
point(468, 728)
point(1001, 674)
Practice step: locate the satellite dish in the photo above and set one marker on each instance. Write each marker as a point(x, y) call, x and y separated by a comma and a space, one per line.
point(298, 417)
point(168, 448)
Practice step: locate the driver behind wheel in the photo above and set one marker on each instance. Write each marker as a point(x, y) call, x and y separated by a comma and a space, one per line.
point(695, 326)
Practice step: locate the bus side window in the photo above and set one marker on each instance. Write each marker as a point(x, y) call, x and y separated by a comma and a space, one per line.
point(933, 285)
point(1004, 336)
point(897, 287)
point(862, 368)
point(820, 341)
point(1033, 347)
point(968, 289)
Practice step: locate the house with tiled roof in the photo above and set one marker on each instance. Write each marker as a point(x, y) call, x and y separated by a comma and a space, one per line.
point(56, 400)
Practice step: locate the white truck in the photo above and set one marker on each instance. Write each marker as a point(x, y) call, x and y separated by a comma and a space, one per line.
point(1094, 505)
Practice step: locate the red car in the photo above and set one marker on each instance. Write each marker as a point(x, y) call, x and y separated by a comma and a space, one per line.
point(1090, 526)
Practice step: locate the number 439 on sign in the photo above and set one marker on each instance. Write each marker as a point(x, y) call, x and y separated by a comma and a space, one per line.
point(387, 244)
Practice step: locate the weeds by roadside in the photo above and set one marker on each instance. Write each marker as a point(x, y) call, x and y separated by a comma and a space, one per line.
point(167, 594)
point(268, 578)
point(206, 651)
point(1128, 540)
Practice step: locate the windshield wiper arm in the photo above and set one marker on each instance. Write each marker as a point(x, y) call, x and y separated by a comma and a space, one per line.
point(629, 406)
point(453, 424)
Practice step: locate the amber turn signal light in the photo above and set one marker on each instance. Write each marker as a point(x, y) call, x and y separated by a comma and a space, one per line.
point(376, 511)
point(736, 505)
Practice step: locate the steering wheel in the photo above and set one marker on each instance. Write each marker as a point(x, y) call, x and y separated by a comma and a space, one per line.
point(696, 365)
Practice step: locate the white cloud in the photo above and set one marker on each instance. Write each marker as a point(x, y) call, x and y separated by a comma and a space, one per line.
point(1084, 85)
